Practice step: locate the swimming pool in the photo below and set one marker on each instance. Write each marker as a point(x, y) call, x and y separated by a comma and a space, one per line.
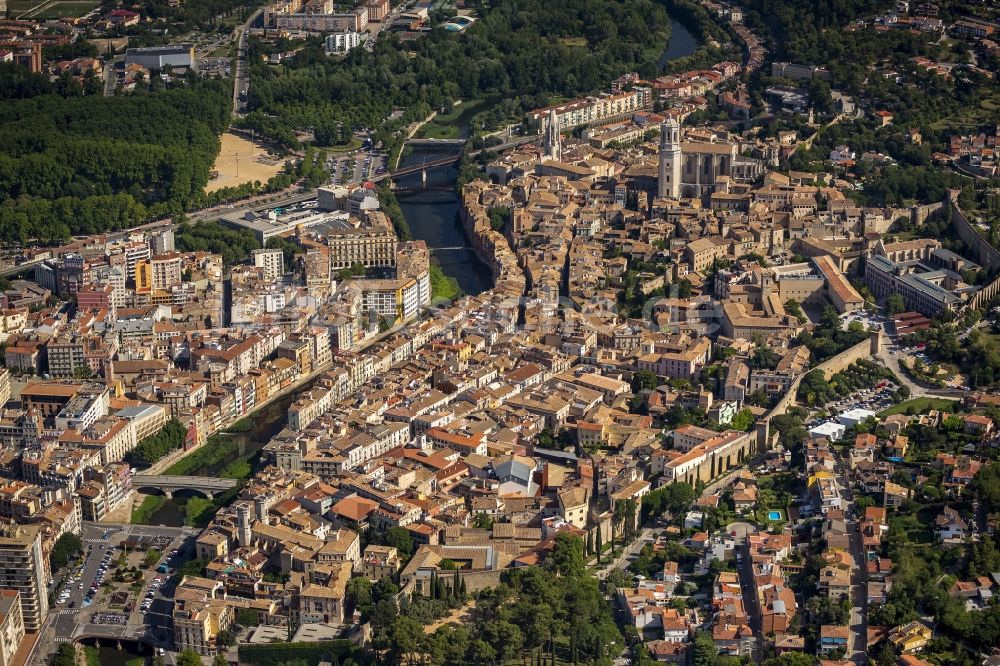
point(773, 515)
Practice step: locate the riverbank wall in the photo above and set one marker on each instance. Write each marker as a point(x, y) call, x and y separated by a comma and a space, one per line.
point(491, 246)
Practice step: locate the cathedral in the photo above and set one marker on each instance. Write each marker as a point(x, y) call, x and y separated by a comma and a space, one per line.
point(694, 168)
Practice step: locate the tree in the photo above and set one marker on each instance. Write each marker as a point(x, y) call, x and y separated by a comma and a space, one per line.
point(791, 659)
point(405, 636)
point(188, 658)
point(742, 421)
point(644, 380)
point(673, 498)
point(384, 613)
point(359, 595)
point(482, 520)
point(400, 539)
point(66, 547)
point(617, 578)
point(246, 617)
point(220, 660)
point(566, 558)
point(481, 652)
point(225, 638)
point(65, 655)
point(703, 651)
point(894, 304)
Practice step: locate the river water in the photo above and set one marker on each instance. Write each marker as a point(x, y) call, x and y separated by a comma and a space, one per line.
point(432, 215)
point(682, 43)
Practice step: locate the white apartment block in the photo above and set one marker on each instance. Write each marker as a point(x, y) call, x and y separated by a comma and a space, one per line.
point(272, 261)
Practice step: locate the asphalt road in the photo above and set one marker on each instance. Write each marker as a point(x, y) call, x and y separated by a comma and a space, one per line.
point(241, 73)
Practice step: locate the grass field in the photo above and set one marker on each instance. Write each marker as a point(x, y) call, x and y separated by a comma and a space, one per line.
point(15, 7)
point(35, 9)
point(449, 125)
point(443, 286)
point(353, 145)
point(144, 511)
point(971, 116)
point(920, 406)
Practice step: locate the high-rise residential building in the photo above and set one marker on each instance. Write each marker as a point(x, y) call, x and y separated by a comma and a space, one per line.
point(168, 270)
point(23, 568)
point(272, 261)
point(162, 242)
point(11, 625)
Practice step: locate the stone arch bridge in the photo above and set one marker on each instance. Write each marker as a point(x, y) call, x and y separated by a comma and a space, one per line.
point(166, 484)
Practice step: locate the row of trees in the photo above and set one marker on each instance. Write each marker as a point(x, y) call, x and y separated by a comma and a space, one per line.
point(156, 446)
point(234, 245)
point(66, 655)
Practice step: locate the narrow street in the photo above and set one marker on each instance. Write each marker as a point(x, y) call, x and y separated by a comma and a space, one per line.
point(109, 78)
point(740, 531)
point(857, 647)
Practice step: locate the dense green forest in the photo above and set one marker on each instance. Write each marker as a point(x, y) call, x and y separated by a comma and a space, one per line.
point(78, 164)
point(798, 28)
point(526, 51)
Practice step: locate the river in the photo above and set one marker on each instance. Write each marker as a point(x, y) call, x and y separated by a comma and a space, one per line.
point(682, 43)
point(432, 216)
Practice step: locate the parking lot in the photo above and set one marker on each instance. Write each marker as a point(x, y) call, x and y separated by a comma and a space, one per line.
point(356, 167)
point(82, 580)
point(124, 581)
point(866, 319)
point(876, 398)
point(221, 66)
